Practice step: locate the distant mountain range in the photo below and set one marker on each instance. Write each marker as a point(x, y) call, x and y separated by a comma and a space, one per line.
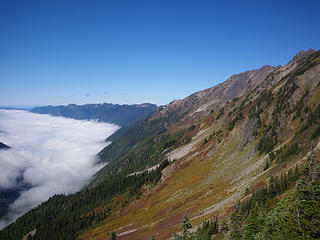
point(122, 115)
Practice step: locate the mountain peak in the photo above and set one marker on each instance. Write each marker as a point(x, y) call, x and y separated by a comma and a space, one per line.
point(301, 54)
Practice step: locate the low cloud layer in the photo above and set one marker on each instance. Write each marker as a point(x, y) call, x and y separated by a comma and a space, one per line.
point(51, 154)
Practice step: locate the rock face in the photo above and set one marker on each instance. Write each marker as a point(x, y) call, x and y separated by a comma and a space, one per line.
point(209, 99)
point(121, 115)
point(204, 101)
point(201, 103)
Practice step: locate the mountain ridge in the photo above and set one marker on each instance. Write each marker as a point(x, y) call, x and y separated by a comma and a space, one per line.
point(225, 161)
point(207, 100)
point(122, 115)
point(294, 69)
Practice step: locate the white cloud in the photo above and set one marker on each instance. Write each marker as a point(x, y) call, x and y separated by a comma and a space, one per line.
point(52, 154)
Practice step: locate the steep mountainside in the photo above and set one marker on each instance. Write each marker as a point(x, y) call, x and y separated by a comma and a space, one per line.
point(191, 109)
point(194, 107)
point(244, 155)
point(121, 115)
point(240, 146)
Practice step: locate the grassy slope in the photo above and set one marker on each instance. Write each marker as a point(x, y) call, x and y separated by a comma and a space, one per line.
point(132, 144)
point(208, 181)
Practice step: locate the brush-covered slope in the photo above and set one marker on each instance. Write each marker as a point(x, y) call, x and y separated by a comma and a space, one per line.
point(213, 153)
point(141, 145)
point(121, 115)
point(230, 153)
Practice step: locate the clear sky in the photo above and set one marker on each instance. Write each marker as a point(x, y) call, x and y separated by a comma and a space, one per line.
point(60, 52)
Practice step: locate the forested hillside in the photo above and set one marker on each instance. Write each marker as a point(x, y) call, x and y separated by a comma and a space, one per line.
point(271, 212)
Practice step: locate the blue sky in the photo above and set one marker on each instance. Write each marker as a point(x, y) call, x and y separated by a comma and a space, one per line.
point(61, 52)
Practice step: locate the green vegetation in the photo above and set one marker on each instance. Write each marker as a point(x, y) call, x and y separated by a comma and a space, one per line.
point(203, 232)
point(125, 138)
point(64, 217)
point(297, 216)
point(262, 216)
point(306, 63)
point(266, 144)
point(265, 98)
point(300, 105)
point(113, 236)
point(191, 128)
point(185, 225)
point(288, 152)
point(266, 166)
point(220, 114)
point(239, 117)
point(140, 145)
point(131, 156)
point(316, 133)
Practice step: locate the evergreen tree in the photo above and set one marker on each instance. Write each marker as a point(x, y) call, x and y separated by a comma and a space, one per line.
point(266, 166)
point(224, 226)
point(185, 225)
point(253, 225)
point(235, 223)
point(113, 236)
point(216, 226)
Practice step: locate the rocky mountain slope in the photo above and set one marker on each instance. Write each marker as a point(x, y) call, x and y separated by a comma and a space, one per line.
point(188, 110)
point(183, 112)
point(238, 154)
point(218, 156)
point(121, 115)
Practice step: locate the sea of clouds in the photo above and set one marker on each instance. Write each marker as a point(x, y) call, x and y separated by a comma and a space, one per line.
point(49, 154)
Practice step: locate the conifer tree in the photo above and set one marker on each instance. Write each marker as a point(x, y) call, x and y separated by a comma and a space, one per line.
point(216, 226)
point(113, 236)
point(185, 225)
point(224, 226)
point(266, 166)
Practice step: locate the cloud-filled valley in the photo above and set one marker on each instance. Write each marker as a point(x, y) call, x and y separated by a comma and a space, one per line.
point(48, 155)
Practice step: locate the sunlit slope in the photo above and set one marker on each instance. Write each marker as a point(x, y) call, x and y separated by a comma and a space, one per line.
point(139, 146)
point(265, 132)
point(198, 155)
